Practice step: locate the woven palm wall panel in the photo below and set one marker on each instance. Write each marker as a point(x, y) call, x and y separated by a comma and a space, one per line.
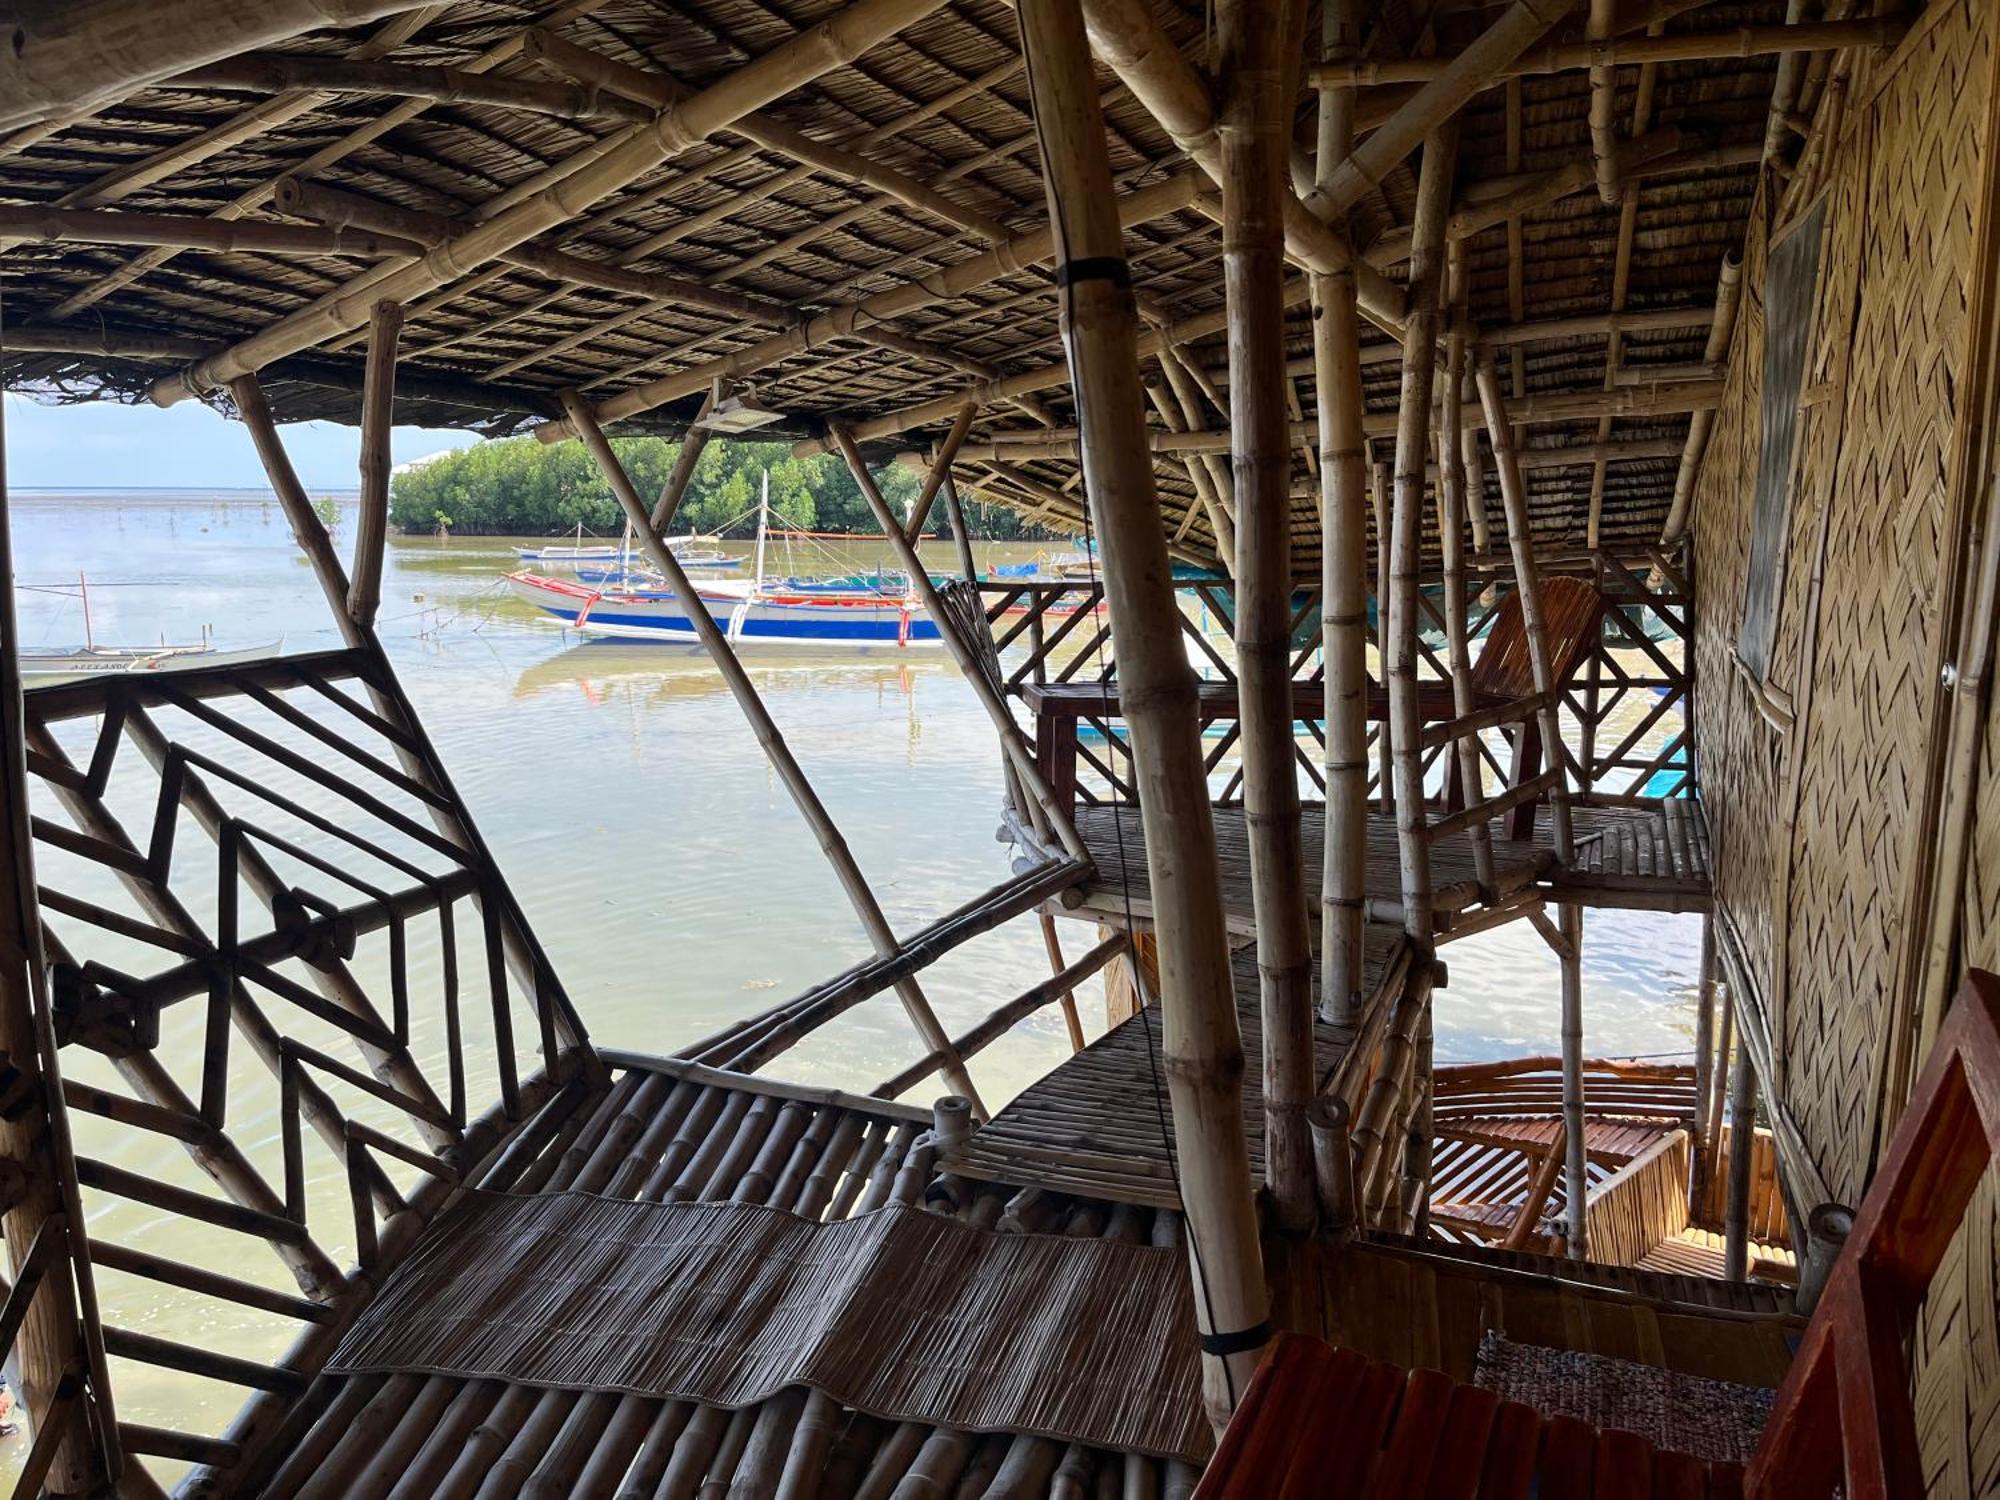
point(1815, 824)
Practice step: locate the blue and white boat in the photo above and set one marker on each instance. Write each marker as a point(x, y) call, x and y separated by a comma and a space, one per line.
point(750, 614)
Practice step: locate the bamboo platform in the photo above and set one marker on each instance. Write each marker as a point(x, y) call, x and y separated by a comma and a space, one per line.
point(1088, 1126)
point(1644, 858)
point(676, 1134)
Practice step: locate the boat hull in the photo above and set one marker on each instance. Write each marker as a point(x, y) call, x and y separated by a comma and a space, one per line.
point(748, 616)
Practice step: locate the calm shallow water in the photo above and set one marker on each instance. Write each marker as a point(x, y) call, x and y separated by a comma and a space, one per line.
point(663, 866)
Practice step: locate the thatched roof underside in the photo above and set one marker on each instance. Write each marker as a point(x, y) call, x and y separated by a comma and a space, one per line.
point(489, 351)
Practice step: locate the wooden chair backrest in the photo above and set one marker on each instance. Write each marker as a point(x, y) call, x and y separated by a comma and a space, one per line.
point(1844, 1415)
point(1571, 612)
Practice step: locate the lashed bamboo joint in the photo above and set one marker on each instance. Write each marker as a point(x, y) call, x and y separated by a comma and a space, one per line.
point(1729, 659)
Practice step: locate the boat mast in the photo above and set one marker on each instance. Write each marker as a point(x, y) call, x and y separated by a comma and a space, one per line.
point(83, 588)
point(763, 524)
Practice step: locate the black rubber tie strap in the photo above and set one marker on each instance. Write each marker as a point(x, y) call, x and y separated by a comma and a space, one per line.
point(1110, 268)
point(1242, 1341)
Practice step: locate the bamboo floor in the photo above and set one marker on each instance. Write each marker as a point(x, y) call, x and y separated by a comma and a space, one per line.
point(1090, 1126)
point(1650, 858)
point(661, 1137)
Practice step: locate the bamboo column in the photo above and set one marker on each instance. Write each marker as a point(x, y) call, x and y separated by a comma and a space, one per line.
point(1427, 249)
point(876, 924)
point(1451, 545)
point(1254, 131)
point(1521, 547)
point(1344, 572)
point(378, 399)
point(1047, 814)
point(940, 470)
point(1202, 1043)
point(1380, 485)
point(1742, 1159)
point(47, 1344)
point(1705, 1123)
point(966, 564)
point(692, 442)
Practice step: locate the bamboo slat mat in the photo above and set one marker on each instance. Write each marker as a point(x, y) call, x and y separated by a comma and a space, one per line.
point(1642, 856)
point(905, 1314)
point(1091, 1127)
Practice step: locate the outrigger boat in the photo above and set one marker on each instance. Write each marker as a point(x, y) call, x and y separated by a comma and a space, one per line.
point(589, 559)
point(62, 664)
point(839, 612)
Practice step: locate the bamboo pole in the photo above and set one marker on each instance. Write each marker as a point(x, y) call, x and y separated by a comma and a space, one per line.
point(1470, 70)
point(68, 55)
point(1380, 487)
point(1344, 576)
point(940, 470)
point(1604, 102)
point(1049, 816)
point(1576, 1160)
point(1742, 1146)
point(1253, 130)
point(1128, 39)
point(1705, 1123)
point(1451, 509)
point(693, 441)
point(600, 170)
point(966, 565)
point(852, 881)
point(1412, 432)
point(1688, 46)
point(378, 396)
point(1202, 1044)
point(282, 72)
point(47, 1345)
point(86, 226)
point(1721, 328)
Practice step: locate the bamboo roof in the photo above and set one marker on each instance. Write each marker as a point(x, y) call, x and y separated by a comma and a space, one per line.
point(735, 240)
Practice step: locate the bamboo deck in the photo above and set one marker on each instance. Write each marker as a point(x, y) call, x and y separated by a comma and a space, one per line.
point(655, 1136)
point(1648, 858)
point(1089, 1126)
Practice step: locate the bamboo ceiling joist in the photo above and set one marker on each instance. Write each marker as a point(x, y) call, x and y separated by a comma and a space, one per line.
point(1017, 254)
point(278, 72)
point(603, 169)
point(1687, 46)
point(69, 54)
point(84, 226)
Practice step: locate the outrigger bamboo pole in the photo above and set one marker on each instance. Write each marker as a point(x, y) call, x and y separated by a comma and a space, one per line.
point(1344, 574)
point(65, 55)
point(1202, 1043)
point(1047, 814)
point(1254, 131)
point(852, 881)
point(378, 397)
point(1405, 542)
point(600, 170)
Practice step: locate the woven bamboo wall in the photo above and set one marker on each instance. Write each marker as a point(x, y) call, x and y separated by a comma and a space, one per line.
point(1814, 824)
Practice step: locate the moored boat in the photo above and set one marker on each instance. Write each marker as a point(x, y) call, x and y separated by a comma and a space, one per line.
point(40, 667)
point(749, 613)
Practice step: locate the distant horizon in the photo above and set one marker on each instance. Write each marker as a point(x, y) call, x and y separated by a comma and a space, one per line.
point(107, 446)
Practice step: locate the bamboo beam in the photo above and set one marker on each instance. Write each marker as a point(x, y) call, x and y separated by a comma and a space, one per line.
point(1687, 46)
point(1670, 399)
point(602, 169)
point(89, 226)
point(1202, 1045)
point(1604, 104)
point(1474, 68)
point(1254, 130)
point(1130, 41)
point(939, 471)
point(69, 55)
point(378, 395)
point(852, 881)
point(1721, 328)
point(847, 320)
point(282, 72)
point(1049, 815)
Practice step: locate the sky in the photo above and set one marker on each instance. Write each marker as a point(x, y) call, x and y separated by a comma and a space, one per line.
point(189, 446)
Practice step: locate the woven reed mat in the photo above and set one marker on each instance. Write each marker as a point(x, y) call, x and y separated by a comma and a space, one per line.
point(901, 1313)
point(1714, 1420)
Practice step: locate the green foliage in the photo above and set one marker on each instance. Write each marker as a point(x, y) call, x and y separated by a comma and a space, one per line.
point(328, 511)
point(522, 487)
